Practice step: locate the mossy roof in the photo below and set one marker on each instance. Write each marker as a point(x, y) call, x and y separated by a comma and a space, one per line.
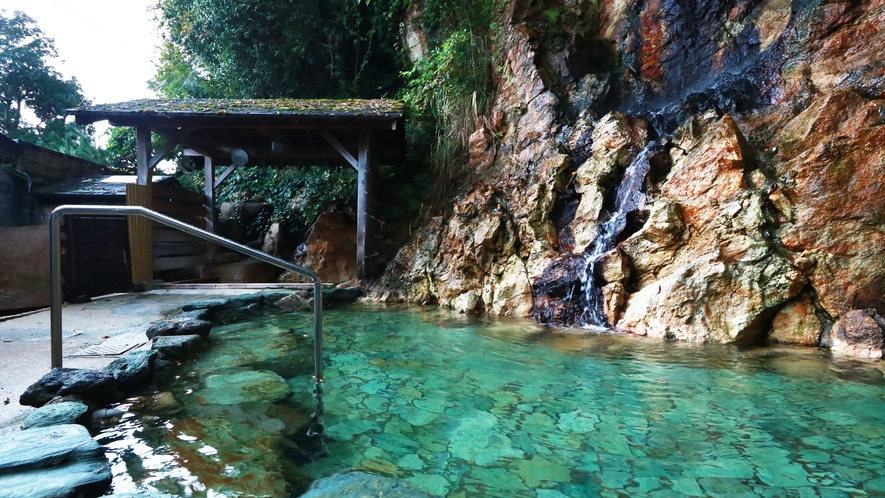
point(381, 108)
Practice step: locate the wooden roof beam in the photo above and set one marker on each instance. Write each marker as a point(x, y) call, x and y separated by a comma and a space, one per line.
point(340, 148)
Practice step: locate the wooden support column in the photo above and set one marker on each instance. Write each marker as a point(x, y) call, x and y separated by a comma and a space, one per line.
point(367, 223)
point(143, 154)
point(211, 211)
point(141, 230)
point(362, 193)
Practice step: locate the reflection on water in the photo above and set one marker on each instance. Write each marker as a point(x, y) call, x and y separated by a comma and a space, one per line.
point(465, 405)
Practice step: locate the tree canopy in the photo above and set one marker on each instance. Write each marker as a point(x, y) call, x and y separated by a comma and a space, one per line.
point(279, 48)
point(28, 82)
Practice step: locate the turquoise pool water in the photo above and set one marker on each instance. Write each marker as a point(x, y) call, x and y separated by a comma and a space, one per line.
point(461, 405)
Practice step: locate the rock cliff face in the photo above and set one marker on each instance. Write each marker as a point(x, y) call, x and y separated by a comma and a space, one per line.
point(762, 212)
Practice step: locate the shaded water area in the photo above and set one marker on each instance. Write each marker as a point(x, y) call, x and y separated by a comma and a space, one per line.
point(461, 405)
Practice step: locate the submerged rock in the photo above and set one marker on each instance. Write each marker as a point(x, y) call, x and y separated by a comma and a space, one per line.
point(95, 386)
point(362, 485)
point(163, 403)
point(58, 461)
point(67, 412)
point(244, 386)
point(133, 371)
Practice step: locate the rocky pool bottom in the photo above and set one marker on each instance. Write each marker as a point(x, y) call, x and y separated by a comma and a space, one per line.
point(462, 405)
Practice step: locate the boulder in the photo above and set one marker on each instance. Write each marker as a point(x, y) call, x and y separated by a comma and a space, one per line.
point(297, 301)
point(858, 333)
point(829, 154)
point(194, 327)
point(704, 260)
point(363, 485)
point(164, 327)
point(96, 386)
point(176, 347)
point(67, 412)
point(57, 461)
point(133, 371)
point(342, 295)
point(331, 248)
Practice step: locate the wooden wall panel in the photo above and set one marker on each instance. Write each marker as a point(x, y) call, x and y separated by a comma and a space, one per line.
point(141, 237)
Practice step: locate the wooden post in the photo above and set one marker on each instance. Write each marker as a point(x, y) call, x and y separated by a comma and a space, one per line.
point(143, 154)
point(141, 230)
point(362, 193)
point(211, 211)
point(368, 227)
point(141, 234)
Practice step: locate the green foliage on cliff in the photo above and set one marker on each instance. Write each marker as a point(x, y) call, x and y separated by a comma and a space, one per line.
point(452, 84)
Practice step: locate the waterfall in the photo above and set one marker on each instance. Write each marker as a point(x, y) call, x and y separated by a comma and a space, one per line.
point(628, 198)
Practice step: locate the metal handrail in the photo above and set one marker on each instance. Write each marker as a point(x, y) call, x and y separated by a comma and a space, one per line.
point(55, 270)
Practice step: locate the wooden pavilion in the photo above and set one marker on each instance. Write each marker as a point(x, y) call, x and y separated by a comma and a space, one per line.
point(274, 133)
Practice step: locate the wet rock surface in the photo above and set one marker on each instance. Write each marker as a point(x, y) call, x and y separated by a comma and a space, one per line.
point(62, 461)
point(198, 327)
point(67, 412)
point(770, 118)
point(176, 347)
point(362, 484)
point(331, 248)
point(859, 333)
point(133, 371)
point(96, 386)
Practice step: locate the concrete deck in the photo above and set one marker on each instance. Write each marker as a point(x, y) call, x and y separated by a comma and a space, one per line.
point(113, 320)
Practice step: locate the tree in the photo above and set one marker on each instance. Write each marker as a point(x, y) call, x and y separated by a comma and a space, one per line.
point(27, 81)
point(279, 48)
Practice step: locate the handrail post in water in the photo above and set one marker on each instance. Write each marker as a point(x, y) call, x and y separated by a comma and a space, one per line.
point(55, 270)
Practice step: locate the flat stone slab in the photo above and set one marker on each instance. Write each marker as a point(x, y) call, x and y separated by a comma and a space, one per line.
point(176, 347)
point(96, 386)
point(362, 485)
point(180, 327)
point(58, 461)
point(209, 304)
point(243, 386)
point(67, 412)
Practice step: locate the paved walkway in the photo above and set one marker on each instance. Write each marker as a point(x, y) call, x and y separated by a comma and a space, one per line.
point(112, 321)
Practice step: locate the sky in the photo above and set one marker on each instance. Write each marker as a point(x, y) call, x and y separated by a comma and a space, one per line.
point(110, 46)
